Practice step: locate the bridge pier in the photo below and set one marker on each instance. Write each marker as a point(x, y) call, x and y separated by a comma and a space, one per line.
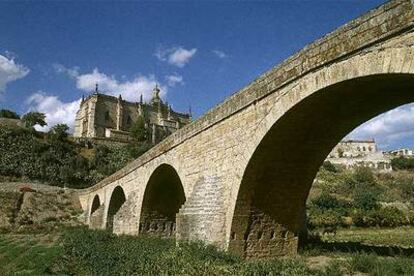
point(202, 217)
point(96, 220)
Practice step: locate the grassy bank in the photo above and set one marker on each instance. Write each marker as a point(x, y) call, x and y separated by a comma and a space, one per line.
point(80, 251)
point(88, 252)
point(28, 254)
point(399, 236)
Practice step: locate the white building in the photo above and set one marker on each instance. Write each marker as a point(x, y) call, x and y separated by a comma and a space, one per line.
point(354, 153)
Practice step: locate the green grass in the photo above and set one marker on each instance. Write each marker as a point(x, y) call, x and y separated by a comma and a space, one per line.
point(400, 236)
point(27, 254)
point(90, 252)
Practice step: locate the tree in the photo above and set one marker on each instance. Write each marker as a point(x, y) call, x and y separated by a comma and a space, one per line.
point(138, 129)
point(34, 118)
point(5, 113)
point(59, 132)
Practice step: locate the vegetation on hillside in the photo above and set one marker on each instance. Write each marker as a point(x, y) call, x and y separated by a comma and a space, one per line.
point(403, 163)
point(5, 113)
point(361, 197)
point(52, 158)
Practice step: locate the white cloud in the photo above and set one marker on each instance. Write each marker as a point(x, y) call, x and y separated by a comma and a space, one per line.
point(72, 72)
point(388, 128)
point(172, 80)
point(177, 56)
point(10, 71)
point(56, 111)
point(130, 90)
point(220, 54)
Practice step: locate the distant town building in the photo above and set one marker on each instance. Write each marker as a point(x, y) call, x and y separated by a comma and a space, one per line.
point(106, 117)
point(402, 152)
point(354, 153)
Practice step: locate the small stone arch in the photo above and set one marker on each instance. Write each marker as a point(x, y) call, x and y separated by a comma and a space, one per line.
point(164, 195)
point(96, 213)
point(118, 198)
point(96, 203)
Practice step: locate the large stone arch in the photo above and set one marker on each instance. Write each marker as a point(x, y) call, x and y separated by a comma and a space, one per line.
point(307, 119)
point(163, 197)
point(116, 201)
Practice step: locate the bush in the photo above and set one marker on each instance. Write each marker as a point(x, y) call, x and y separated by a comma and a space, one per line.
point(366, 199)
point(404, 182)
point(321, 219)
point(402, 163)
point(384, 217)
point(328, 166)
point(391, 217)
point(326, 201)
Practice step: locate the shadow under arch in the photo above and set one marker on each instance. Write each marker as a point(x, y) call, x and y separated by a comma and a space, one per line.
point(117, 200)
point(96, 203)
point(270, 206)
point(163, 197)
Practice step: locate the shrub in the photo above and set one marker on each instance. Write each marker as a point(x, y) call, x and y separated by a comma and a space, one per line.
point(391, 217)
point(326, 201)
point(363, 218)
point(320, 219)
point(366, 199)
point(402, 163)
point(59, 132)
point(364, 176)
point(384, 217)
point(329, 167)
point(404, 182)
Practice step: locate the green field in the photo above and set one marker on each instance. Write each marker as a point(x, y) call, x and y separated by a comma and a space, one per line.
point(80, 251)
point(399, 236)
point(27, 254)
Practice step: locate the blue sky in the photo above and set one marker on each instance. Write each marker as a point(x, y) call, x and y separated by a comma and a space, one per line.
point(199, 52)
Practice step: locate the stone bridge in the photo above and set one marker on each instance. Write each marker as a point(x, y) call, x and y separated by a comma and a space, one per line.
point(239, 176)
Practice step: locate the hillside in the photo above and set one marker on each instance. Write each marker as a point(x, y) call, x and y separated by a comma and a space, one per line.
point(32, 207)
point(361, 197)
point(52, 158)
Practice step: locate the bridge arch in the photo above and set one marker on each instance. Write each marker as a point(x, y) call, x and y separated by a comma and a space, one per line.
point(299, 132)
point(96, 213)
point(96, 203)
point(116, 201)
point(163, 197)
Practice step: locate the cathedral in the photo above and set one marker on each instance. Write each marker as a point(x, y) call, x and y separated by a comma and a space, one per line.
point(107, 118)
